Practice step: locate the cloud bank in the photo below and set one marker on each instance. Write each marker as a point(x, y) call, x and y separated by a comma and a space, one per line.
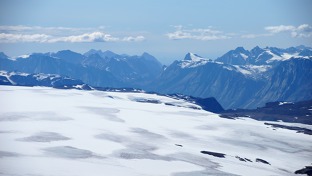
point(301, 31)
point(13, 38)
point(196, 34)
point(96, 37)
point(16, 34)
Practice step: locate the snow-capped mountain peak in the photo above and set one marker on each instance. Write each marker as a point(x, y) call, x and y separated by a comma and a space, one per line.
point(193, 57)
point(192, 60)
point(263, 56)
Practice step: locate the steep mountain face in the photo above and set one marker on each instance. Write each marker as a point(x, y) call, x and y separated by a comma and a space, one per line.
point(205, 78)
point(209, 104)
point(239, 56)
point(97, 68)
point(242, 78)
point(3, 56)
point(288, 81)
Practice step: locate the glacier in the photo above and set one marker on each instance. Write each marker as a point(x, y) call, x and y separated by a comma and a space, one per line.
point(58, 132)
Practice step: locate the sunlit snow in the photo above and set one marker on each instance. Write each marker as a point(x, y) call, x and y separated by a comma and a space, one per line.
point(55, 132)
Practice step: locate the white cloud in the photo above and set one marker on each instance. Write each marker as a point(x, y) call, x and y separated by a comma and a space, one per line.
point(196, 34)
point(15, 34)
point(303, 30)
point(97, 37)
point(87, 37)
point(280, 28)
point(251, 36)
point(14, 28)
point(13, 38)
point(134, 39)
point(41, 28)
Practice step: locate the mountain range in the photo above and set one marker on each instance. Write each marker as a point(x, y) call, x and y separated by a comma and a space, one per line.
point(238, 79)
point(242, 78)
point(97, 68)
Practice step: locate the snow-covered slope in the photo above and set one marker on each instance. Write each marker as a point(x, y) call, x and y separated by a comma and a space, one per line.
point(41, 79)
point(55, 132)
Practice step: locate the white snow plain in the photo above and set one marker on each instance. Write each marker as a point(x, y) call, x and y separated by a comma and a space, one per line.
point(54, 132)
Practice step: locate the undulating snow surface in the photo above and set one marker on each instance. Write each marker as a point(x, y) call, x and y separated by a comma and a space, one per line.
point(54, 132)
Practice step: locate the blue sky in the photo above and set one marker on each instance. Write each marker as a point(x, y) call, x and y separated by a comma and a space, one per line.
point(167, 29)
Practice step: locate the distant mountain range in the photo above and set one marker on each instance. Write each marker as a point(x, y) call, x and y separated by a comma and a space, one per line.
point(242, 78)
point(238, 79)
point(97, 68)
